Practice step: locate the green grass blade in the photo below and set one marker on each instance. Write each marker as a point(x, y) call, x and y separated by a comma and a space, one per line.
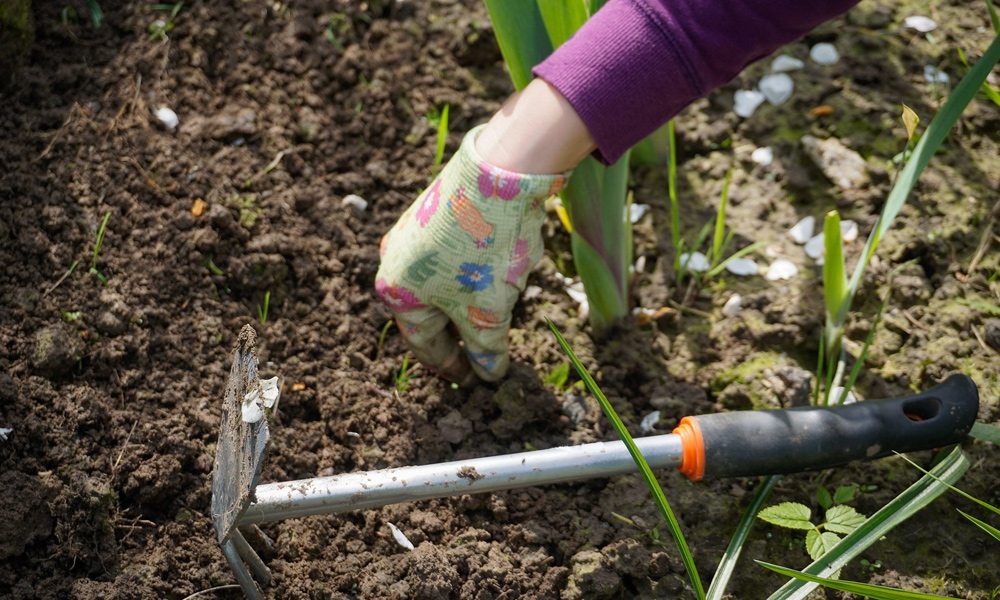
point(834, 277)
point(442, 137)
point(738, 254)
point(728, 563)
point(986, 88)
point(675, 211)
point(562, 18)
point(929, 143)
point(982, 525)
point(961, 493)
point(986, 433)
point(647, 474)
point(878, 592)
point(901, 508)
point(96, 14)
point(863, 356)
point(994, 19)
point(720, 222)
point(521, 35)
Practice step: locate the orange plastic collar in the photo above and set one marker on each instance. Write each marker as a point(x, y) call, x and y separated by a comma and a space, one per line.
point(693, 449)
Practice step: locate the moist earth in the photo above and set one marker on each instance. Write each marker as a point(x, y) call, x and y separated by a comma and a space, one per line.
point(113, 363)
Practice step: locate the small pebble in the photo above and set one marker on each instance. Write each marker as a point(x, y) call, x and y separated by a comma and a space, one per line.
point(815, 247)
point(920, 23)
point(933, 74)
point(167, 118)
point(733, 306)
point(745, 102)
point(400, 538)
point(4, 432)
point(783, 63)
point(777, 88)
point(824, 54)
point(803, 230)
point(742, 266)
point(694, 261)
point(649, 421)
point(782, 269)
point(355, 201)
point(763, 156)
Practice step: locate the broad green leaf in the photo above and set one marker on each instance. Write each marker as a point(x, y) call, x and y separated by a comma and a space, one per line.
point(845, 493)
point(910, 121)
point(818, 544)
point(791, 515)
point(834, 278)
point(557, 377)
point(728, 563)
point(843, 519)
point(562, 18)
point(823, 497)
point(901, 508)
point(986, 88)
point(983, 525)
point(647, 474)
point(986, 433)
point(929, 143)
point(521, 35)
point(878, 592)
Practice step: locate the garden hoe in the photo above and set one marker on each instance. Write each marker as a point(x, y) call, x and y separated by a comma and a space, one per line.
point(733, 444)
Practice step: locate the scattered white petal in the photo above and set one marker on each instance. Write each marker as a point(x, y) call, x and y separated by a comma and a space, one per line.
point(920, 23)
point(640, 264)
point(837, 391)
point(399, 537)
point(763, 156)
point(848, 231)
point(637, 211)
point(167, 118)
point(782, 269)
point(803, 230)
point(776, 87)
point(742, 266)
point(353, 434)
point(746, 101)
point(824, 54)
point(531, 292)
point(577, 293)
point(815, 247)
point(695, 262)
point(783, 63)
point(647, 423)
point(270, 392)
point(733, 306)
point(933, 74)
point(355, 201)
point(4, 432)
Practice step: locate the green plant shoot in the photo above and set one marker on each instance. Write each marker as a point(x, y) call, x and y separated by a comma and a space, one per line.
point(262, 309)
point(442, 137)
point(98, 243)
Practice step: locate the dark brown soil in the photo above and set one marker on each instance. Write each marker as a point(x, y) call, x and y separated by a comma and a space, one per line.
point(113, 391)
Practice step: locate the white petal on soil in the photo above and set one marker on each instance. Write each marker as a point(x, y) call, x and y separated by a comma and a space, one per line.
point(783, 63)
point(824, 54)
point(837, 391)
point(782, 269)
point(647, 423)
point(933, 74)
point(4, 432)
point(637, 211)
point(776, 87)
point(733, 306)
point(803, 230)
point(167, 118)
point(848, 231)
point(746, 101)
point(695, 262)
point(742, 266)
point(920, 23)
point(577, 293)
point(815, 247)
point(531, 292)
point(355, 201)
point(763, 156)
point(270, 391)
point(399, 537)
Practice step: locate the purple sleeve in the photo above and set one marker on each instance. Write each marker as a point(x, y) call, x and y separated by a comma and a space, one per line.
point(637, 63)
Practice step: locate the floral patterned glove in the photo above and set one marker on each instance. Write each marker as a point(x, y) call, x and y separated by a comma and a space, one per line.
point(460, 255)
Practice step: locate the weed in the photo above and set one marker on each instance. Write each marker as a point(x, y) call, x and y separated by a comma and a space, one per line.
point(381, 336)
point(337, 26)
point(249, 211)
point(440, 122)
point(213, 268)
point(820, 538)
point(263, 308)
point(95, 12)
point(98, 242)
point(558, 377)
point(70, 316)
point(159, 28)
point(403, 376)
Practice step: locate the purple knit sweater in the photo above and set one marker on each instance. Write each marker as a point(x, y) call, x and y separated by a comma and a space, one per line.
point(636, 63)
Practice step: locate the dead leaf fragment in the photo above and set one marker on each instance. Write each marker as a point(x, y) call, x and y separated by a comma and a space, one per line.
point(298, 387)
point(823, 110)
point(198, 207)
point(910, 121)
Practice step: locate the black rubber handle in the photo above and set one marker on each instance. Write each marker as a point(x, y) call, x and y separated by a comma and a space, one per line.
point(768, 442)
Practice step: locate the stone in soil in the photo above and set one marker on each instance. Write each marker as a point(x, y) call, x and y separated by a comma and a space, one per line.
point(57, 348)
point(591, 577)
point(841, 165)
point(992, 333)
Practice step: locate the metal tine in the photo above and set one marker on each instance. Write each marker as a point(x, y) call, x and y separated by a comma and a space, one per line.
point(257, 538)
point(260, 570)
point(240, 571)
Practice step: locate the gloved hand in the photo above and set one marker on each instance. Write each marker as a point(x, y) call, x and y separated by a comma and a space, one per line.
point(460, 256)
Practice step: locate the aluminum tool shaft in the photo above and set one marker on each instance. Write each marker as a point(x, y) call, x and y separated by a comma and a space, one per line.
point(352, 491)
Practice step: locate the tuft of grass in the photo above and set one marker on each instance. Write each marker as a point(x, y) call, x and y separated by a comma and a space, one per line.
point(675, 210)
point(403, 376)
point(381, 336)
point(262, 309)
point(98, 243)
point(440, 122)
point(647, 474)
point(868, 590)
